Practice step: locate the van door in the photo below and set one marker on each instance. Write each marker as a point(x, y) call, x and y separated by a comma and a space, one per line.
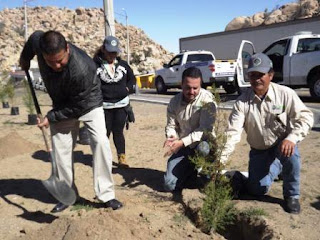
point(246, 50)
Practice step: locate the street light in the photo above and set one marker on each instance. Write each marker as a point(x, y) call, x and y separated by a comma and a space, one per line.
point(128, 48)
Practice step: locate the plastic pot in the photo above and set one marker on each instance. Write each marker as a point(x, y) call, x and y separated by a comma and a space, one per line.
point(5, 105)
point(14, 110)
point(32, 119)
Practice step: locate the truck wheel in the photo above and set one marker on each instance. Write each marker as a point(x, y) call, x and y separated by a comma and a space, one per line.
point(160, 86)
point(315, 86)
point(230, 89)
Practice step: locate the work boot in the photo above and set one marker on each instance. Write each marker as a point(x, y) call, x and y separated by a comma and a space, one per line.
point(114, 204)
point(292, 205)
point(122, 160)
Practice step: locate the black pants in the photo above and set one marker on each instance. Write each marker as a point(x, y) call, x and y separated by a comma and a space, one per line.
point(115, 121)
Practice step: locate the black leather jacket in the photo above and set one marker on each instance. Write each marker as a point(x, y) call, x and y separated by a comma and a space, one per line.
point(76, 90)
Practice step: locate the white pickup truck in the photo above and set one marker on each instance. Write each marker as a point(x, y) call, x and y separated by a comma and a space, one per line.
point(220, 72)
point(296, 61)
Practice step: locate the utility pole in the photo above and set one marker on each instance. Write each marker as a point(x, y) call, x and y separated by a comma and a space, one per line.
point(25, 21)
point(109, 17)
point(128, 46)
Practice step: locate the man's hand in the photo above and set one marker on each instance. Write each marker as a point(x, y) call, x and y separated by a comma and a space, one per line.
point(287, 148)
point(173, 144)
point(44, 123)
point(169, 141)
point(25, 65)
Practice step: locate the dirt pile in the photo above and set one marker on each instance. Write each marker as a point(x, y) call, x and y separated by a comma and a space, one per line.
point(13, 145)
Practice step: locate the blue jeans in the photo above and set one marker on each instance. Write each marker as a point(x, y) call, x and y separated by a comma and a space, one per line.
point(179, 170)
point(266, 165)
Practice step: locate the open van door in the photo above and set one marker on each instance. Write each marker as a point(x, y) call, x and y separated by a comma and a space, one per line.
point(246, 50)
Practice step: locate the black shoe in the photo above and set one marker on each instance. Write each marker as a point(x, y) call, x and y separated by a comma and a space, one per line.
point(59, 208)
point(292, 205)
point(114, 204)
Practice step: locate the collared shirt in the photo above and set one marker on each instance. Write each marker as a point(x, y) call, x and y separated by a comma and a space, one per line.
point(280, 115)
point(188, 121)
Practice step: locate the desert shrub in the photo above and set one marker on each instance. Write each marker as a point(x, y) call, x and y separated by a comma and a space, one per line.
point(2, 26)
point(19, 29)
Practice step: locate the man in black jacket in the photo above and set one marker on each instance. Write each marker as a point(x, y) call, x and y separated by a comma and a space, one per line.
point(69, 75)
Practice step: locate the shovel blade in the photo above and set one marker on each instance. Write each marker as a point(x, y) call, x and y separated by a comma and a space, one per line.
point(60, 190)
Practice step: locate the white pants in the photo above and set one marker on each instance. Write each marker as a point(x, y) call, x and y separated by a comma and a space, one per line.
point(64, 136)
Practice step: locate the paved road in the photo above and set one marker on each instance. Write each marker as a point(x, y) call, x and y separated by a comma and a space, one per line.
point(227, 100)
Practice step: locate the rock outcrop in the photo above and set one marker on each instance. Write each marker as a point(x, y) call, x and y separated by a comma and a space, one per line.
point(84, 27)
point(287, 12)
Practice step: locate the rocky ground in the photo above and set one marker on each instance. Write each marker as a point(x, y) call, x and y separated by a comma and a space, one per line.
point(148, 213)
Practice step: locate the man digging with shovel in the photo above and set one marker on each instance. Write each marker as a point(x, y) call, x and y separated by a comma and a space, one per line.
point(70, 77)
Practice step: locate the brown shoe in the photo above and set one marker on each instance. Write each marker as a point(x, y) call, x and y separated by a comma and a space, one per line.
point(122, 160)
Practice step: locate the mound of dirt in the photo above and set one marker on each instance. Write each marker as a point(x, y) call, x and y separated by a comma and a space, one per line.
point(109, 225)
point(13, 145)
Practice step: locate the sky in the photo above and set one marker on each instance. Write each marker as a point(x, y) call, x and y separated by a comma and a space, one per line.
point(165, 21)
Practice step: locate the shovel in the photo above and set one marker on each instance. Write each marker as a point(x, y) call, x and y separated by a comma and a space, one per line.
point(58, 189)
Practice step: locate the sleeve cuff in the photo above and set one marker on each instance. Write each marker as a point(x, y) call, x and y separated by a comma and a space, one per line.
point(186, 141)
point(292, 138)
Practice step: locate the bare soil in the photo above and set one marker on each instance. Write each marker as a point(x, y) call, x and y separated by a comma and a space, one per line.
point(148, 213)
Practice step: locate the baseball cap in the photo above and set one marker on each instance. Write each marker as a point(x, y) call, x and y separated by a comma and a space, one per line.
point(259, 62)
point(111, 44)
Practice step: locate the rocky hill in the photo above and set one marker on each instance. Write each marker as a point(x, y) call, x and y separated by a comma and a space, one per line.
point(291, 11)
point(83, 27)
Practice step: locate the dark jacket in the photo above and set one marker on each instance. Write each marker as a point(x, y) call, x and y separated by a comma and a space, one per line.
point(115, 89)
point(74, 91)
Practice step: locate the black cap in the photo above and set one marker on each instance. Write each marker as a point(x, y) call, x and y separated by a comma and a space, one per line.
point(111, 44)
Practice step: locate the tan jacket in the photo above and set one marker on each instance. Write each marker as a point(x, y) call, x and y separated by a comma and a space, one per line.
point(281, 115)
point(188, 121)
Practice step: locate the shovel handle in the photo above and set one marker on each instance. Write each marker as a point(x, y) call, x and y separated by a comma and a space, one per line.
point(39, 115)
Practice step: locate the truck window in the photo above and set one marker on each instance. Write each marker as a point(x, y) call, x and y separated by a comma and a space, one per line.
point(199, 58)
point(278, 48)
point(175, 61)
point(308, 45)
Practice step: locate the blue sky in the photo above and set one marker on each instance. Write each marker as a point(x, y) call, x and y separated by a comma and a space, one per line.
point(166, 21)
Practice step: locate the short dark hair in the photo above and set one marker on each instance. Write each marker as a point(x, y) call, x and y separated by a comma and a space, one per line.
point(192, 72)
point(52, 42)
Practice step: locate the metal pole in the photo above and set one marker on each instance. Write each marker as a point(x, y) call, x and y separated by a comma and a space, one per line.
point(128, 46)
point(25, 21)
point(109, 17)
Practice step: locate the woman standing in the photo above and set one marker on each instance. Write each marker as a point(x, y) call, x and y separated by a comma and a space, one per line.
point(117, 82)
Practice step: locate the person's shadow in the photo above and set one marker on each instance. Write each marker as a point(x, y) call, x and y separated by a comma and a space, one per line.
point(134, 177)
point(79, 157)
point(316, 204)
point(27, 188)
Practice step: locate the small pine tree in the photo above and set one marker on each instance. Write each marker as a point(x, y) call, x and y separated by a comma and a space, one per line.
point(217, 211)
point(27, 99)
point(10, 89)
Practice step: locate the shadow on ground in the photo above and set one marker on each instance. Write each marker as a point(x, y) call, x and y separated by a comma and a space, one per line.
point(79, 157)
point(27, 188)
point(316, 204)
point(134, 177)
